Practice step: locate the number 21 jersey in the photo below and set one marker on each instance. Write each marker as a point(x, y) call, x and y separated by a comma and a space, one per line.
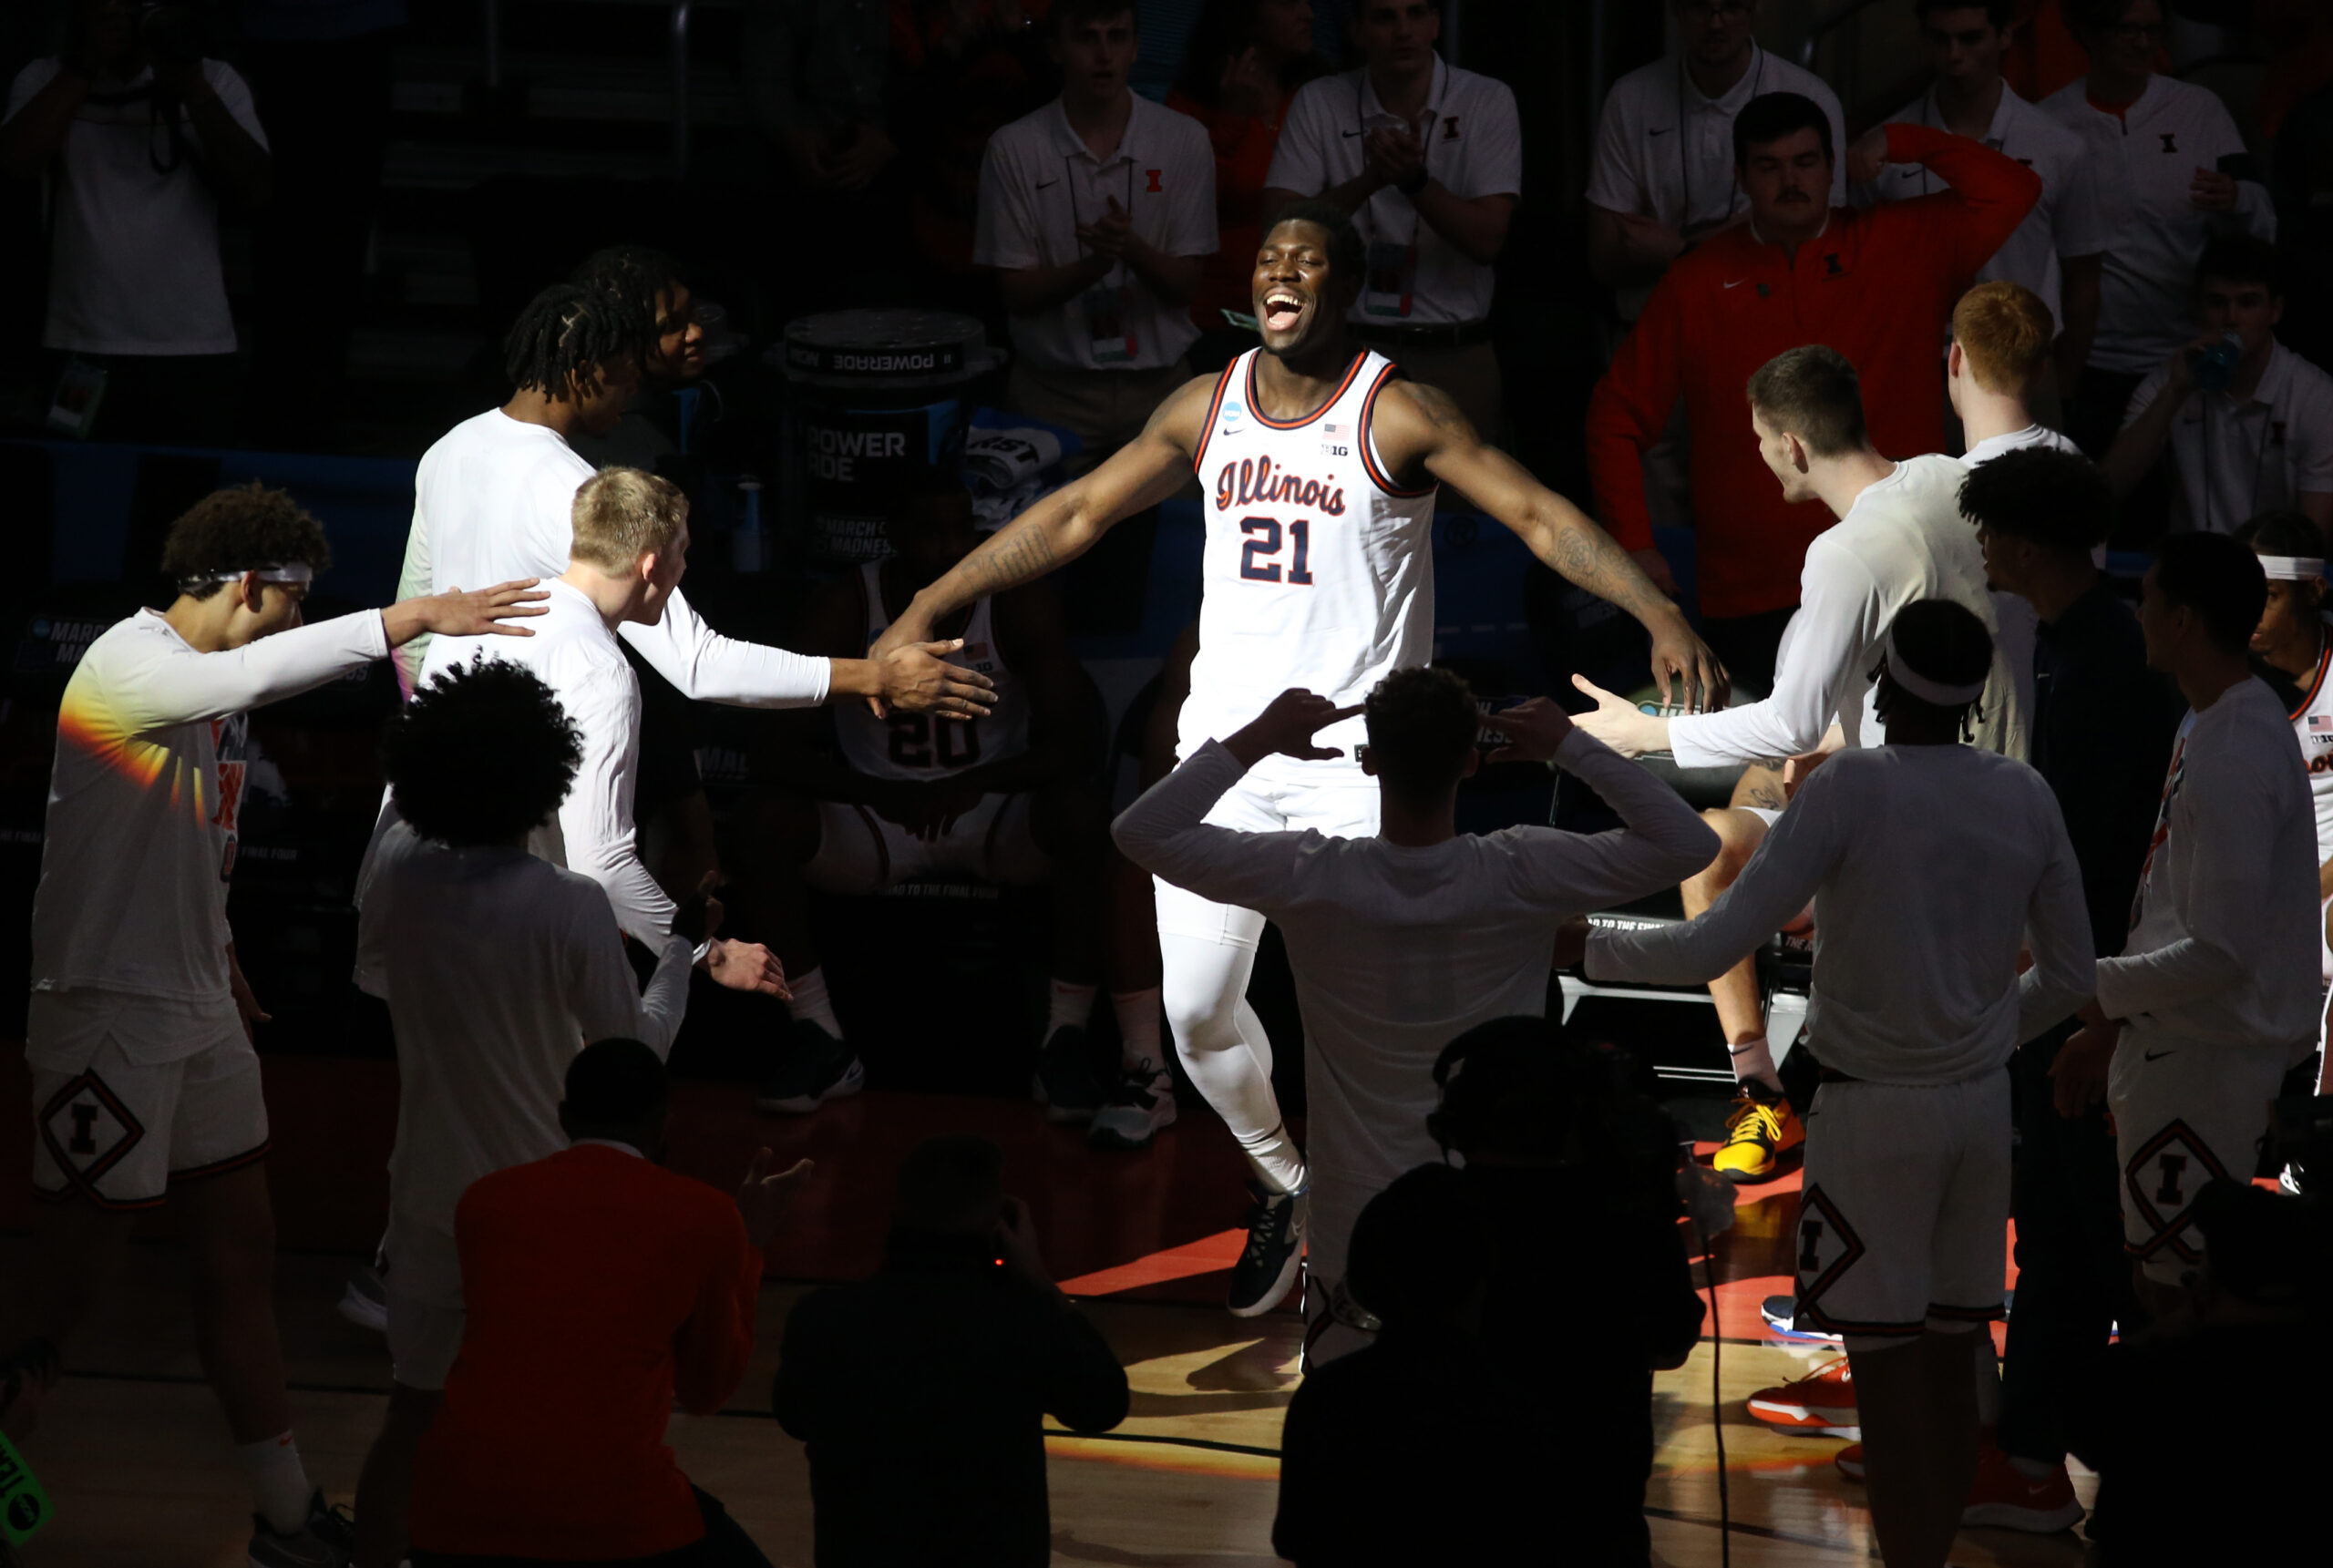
point(1318, 570)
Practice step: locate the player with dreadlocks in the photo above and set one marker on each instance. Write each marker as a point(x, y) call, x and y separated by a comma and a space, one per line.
point(648, 282)
point(499, 487)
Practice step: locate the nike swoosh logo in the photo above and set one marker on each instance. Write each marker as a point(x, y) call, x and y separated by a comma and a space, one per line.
point(1042, 184)
point(1664, 130)
point(1350, 133)
point(1737, 282)
point(2158, 1055)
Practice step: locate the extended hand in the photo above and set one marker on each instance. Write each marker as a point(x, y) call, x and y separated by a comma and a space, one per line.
point(1533, 730)
point(765, 1201)
point(747, 967)
point(490, 610)
point(1288, 725)
point(1616, 722)
point(2078, 1077)
point(1679, 655)
point(1866, 156)
point(1016, 1241)
point(917, 678)
point(2212, 191)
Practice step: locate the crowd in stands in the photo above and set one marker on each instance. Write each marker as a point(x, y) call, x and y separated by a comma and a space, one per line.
point(1884, 392)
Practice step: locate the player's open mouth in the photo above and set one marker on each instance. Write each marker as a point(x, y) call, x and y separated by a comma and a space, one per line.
point(1282, 310)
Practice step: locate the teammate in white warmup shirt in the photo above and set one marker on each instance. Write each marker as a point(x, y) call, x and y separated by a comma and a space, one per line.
point(630, 550)
point(1319, 464)
point(145, 1084)
point(1918, 1005)
point(2194, 1024)
point(498, 487)
point(2291, 649)
point(1899, 537)
point(498, 967)
point(1402, 941)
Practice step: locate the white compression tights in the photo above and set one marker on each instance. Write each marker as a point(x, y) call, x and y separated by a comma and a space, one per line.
point(1224, 1049)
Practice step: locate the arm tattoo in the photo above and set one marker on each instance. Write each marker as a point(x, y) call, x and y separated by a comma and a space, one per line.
point(1021, 553)
point(1593, 559)
point(1762, 785)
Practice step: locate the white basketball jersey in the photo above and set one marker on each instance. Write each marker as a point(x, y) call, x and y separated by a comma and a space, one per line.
point(2313, 726)
point(919, 747)
point(1318, 570)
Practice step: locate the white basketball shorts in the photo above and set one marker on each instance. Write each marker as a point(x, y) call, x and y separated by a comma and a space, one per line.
point(114, 1125)
point(1903, 1223)
point(2184, 1114)
point(421, 1273)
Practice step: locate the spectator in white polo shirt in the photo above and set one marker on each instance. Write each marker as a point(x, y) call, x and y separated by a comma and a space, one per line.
point(2057, 251)
point(2251, 437)
point(1095, 210)
point(1428, 158)
point(1662, 177)
point(2166, 160)
point(138, 139)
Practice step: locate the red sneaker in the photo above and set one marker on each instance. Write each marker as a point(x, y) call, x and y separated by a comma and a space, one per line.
point(1822, 1403)
point(1850, 1463)
point(2008, 1499)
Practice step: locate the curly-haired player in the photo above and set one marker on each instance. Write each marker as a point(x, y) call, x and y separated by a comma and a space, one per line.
point(498, 967)
point(145, 1085)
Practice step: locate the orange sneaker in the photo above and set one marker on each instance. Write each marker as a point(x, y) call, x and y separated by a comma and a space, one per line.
point(1822, 1403)
point(2008, 1499)
point(1850, 1463)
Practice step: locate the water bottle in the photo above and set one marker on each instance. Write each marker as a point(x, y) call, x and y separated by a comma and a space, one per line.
point(2218, 368)
point(748, 545)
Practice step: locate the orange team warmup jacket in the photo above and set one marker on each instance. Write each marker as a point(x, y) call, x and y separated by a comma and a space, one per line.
point(601, 1288)
point(1878, 285)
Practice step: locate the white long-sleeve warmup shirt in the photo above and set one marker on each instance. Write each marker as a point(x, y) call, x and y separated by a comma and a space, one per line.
point(2224, 944)
point(1398, 949)
point(1928, 867)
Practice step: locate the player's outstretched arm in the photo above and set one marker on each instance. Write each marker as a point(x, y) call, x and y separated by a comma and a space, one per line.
point(1418, 424)
point(488, 611)
point(1065, 524)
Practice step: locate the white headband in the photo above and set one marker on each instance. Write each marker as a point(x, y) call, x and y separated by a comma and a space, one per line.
point(2292, 568)
point(1920, 686)
point(299, 572)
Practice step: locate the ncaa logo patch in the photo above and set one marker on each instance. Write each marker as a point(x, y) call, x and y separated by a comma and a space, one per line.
point(87, 1129)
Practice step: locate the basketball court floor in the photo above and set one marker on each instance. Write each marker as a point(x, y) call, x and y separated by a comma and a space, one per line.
point(135, 1457)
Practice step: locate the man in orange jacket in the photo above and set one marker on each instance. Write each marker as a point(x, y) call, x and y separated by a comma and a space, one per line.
point(1876, 285)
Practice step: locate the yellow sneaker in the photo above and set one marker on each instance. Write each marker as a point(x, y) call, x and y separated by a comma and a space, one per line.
point(1757, 1135)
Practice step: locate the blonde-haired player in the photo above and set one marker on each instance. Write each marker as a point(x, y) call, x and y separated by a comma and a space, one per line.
point(2003, 341)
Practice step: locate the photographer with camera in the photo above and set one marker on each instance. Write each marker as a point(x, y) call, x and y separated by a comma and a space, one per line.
point(143, 140)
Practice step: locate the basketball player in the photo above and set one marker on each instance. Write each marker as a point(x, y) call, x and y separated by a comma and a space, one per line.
point(145, 1085)
point(2194, 1024)
point(2292, 653)
point(1899, 537)
point(2002, 349)
point(628, 550)
point(500, 487)
point(1918, 1006)
point(1320, 466)
point(867, 803)
point(1404, 940)
point(498, 967)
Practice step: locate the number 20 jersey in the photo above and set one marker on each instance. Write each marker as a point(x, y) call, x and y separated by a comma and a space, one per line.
point(1318, 570)
point(923, 748)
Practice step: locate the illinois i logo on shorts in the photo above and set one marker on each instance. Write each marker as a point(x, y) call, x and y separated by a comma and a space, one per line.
point(1827, 1246)
point(87, 1129)
point(2164, 1179)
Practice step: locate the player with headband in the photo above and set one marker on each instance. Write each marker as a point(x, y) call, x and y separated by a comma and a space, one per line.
point(1916, 1007)
point(2291, 651)
point(1899, 537)
point(145, 1084)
